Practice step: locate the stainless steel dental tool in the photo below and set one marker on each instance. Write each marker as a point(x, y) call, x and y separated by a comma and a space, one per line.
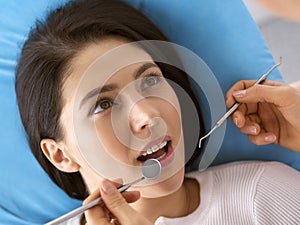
point(151, 169)
point(237, 104)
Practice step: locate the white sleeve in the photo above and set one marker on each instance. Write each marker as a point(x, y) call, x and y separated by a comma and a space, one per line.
point(277, 199)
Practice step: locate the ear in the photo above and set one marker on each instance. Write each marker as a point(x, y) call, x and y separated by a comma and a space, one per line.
point(58, 156)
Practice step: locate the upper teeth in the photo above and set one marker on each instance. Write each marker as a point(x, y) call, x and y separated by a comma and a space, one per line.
point(155, 148)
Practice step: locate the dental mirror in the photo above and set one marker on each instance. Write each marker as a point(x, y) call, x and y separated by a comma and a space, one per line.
point(151, 169)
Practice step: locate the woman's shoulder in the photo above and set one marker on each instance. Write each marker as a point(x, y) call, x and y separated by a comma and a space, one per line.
point(253, 171)
point(250, 187)
point(257, 177)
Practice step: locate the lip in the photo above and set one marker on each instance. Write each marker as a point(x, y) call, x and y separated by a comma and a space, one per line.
point(169, 157)
point(154, 142)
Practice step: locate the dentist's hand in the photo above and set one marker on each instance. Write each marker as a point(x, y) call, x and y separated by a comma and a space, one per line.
point(289, 9)
point(116, 209)
point(270, 113)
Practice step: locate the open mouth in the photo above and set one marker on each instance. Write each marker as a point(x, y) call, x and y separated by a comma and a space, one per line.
point(162, 152)
point(158, 152)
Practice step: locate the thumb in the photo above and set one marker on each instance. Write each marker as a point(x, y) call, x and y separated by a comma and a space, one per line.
point(277, 95)
point(116, 203)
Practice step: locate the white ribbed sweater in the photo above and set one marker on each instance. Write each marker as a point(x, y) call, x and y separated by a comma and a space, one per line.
point(245, 193)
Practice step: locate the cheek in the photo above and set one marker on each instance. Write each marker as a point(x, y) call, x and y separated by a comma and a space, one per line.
point(70, 138)
point(104, 130)
point(171, 114)
point(170, 109)
point(106, 134)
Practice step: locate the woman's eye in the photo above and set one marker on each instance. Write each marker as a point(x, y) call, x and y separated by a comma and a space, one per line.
point(150, 81)
point(102, 105)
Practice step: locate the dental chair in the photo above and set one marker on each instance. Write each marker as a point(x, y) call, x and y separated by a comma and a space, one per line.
point(221, 33)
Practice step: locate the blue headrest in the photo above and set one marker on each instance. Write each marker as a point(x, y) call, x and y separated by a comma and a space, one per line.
point(222, 33)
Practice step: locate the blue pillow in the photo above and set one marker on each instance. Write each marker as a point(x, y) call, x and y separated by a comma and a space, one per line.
point(27, 195)
point(222, 33)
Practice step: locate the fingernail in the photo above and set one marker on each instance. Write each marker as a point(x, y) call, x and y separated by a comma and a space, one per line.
point(270, 138)
point(226, 101)
point(252, 130)
point(236, 121)
point(108, 187)
point(239, 94)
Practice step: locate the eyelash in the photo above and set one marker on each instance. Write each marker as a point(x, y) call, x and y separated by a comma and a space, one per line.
point(99, 101)
point(157, 76)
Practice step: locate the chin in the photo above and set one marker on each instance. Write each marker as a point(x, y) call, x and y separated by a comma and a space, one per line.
point(163, 188)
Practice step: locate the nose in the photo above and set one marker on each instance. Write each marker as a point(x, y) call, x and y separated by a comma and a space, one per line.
point(142, 117)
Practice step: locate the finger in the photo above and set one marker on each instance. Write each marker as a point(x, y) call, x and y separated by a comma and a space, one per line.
point(99, 214)
point(96, 214)
point(263, 138)
point(248, 124)
point(240, 85)
point(96, 194)
point(250, 128)
point(244, 84)
point(131, 196)
point(288, 9)
point(115, 222)
point(245, 111)
point(116, 203)
point(277, 95)
point(238, 118)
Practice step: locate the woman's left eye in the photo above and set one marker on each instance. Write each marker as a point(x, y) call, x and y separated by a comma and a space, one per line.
point(150, 81)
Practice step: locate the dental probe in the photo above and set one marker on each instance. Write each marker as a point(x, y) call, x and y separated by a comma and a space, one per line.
point(237, 104)
point(151, 169)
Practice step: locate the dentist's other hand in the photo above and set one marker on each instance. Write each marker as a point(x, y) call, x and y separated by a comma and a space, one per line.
point(289, 9)
point(270, 113)
point(116, 209)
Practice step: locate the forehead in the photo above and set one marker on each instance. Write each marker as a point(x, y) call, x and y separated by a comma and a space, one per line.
point(98, 62)
point(85, 57)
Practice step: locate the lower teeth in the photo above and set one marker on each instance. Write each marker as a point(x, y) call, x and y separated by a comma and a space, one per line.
point(160, 157)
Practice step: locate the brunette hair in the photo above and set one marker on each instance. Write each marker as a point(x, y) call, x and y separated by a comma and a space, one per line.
point(44, 62)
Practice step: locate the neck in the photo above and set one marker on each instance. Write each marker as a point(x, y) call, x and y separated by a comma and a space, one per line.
point(180, 203)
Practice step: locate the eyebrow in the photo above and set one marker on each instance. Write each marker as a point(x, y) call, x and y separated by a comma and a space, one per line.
point(143, 68)
point(111, 87)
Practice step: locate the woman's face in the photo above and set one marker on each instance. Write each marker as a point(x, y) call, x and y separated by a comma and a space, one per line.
point(134, 112)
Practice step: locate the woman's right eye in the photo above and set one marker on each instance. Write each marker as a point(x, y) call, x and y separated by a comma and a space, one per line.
point(102, 105)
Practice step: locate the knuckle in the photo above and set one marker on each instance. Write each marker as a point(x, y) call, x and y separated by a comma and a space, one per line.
point(286, 96)
point(258, 89)
point(86, 201)
point(290, 92)
point(116, 201)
